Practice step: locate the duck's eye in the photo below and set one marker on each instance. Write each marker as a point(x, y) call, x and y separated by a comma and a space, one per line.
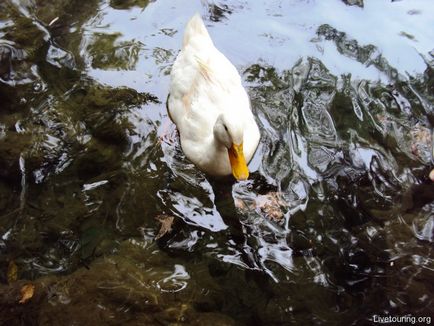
point(226, 128)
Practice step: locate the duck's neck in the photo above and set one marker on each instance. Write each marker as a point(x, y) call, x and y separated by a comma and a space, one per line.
point(216, 159)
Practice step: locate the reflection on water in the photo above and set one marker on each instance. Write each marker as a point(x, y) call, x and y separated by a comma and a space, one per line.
point(335, 223)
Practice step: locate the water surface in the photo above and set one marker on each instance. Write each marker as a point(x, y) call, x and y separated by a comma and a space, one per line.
point(335, 224)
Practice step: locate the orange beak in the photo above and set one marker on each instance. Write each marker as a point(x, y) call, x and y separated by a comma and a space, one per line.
point(238, 163)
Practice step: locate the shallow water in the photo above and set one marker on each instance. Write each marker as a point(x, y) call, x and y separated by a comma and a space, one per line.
point(335, 224)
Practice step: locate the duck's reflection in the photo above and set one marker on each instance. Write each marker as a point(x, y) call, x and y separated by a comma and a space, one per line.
point(225, 205)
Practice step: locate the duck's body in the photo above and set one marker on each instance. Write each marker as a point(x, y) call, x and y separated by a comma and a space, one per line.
point(210, 107)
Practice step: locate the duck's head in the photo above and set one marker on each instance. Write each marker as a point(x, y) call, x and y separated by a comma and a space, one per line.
point(229, 131)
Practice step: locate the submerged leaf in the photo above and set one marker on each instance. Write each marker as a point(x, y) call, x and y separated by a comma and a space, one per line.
point(431, 175)
point(271, 205)
point(27, 292)
point(12, 272)
point(166, 225)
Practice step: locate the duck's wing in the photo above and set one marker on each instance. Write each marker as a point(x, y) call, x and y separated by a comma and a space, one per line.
point(203, 82)
point(190, 75)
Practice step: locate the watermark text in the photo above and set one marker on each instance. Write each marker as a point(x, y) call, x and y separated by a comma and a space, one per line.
point(388, 319)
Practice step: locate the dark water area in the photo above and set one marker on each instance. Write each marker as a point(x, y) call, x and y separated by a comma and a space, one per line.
point(335, 224)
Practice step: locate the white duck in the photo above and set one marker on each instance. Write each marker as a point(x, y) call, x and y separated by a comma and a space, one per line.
point(210, 107)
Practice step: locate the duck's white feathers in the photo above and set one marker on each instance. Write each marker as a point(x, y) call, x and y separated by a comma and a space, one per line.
point(194, 30)
point(204, 84)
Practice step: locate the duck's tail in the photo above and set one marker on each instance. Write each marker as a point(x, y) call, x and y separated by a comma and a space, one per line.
point(196, 29)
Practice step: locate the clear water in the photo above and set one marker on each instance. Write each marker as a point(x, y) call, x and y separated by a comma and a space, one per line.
point(335, 224)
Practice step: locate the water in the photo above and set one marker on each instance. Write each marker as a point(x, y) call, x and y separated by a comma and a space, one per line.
point(335, 224)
